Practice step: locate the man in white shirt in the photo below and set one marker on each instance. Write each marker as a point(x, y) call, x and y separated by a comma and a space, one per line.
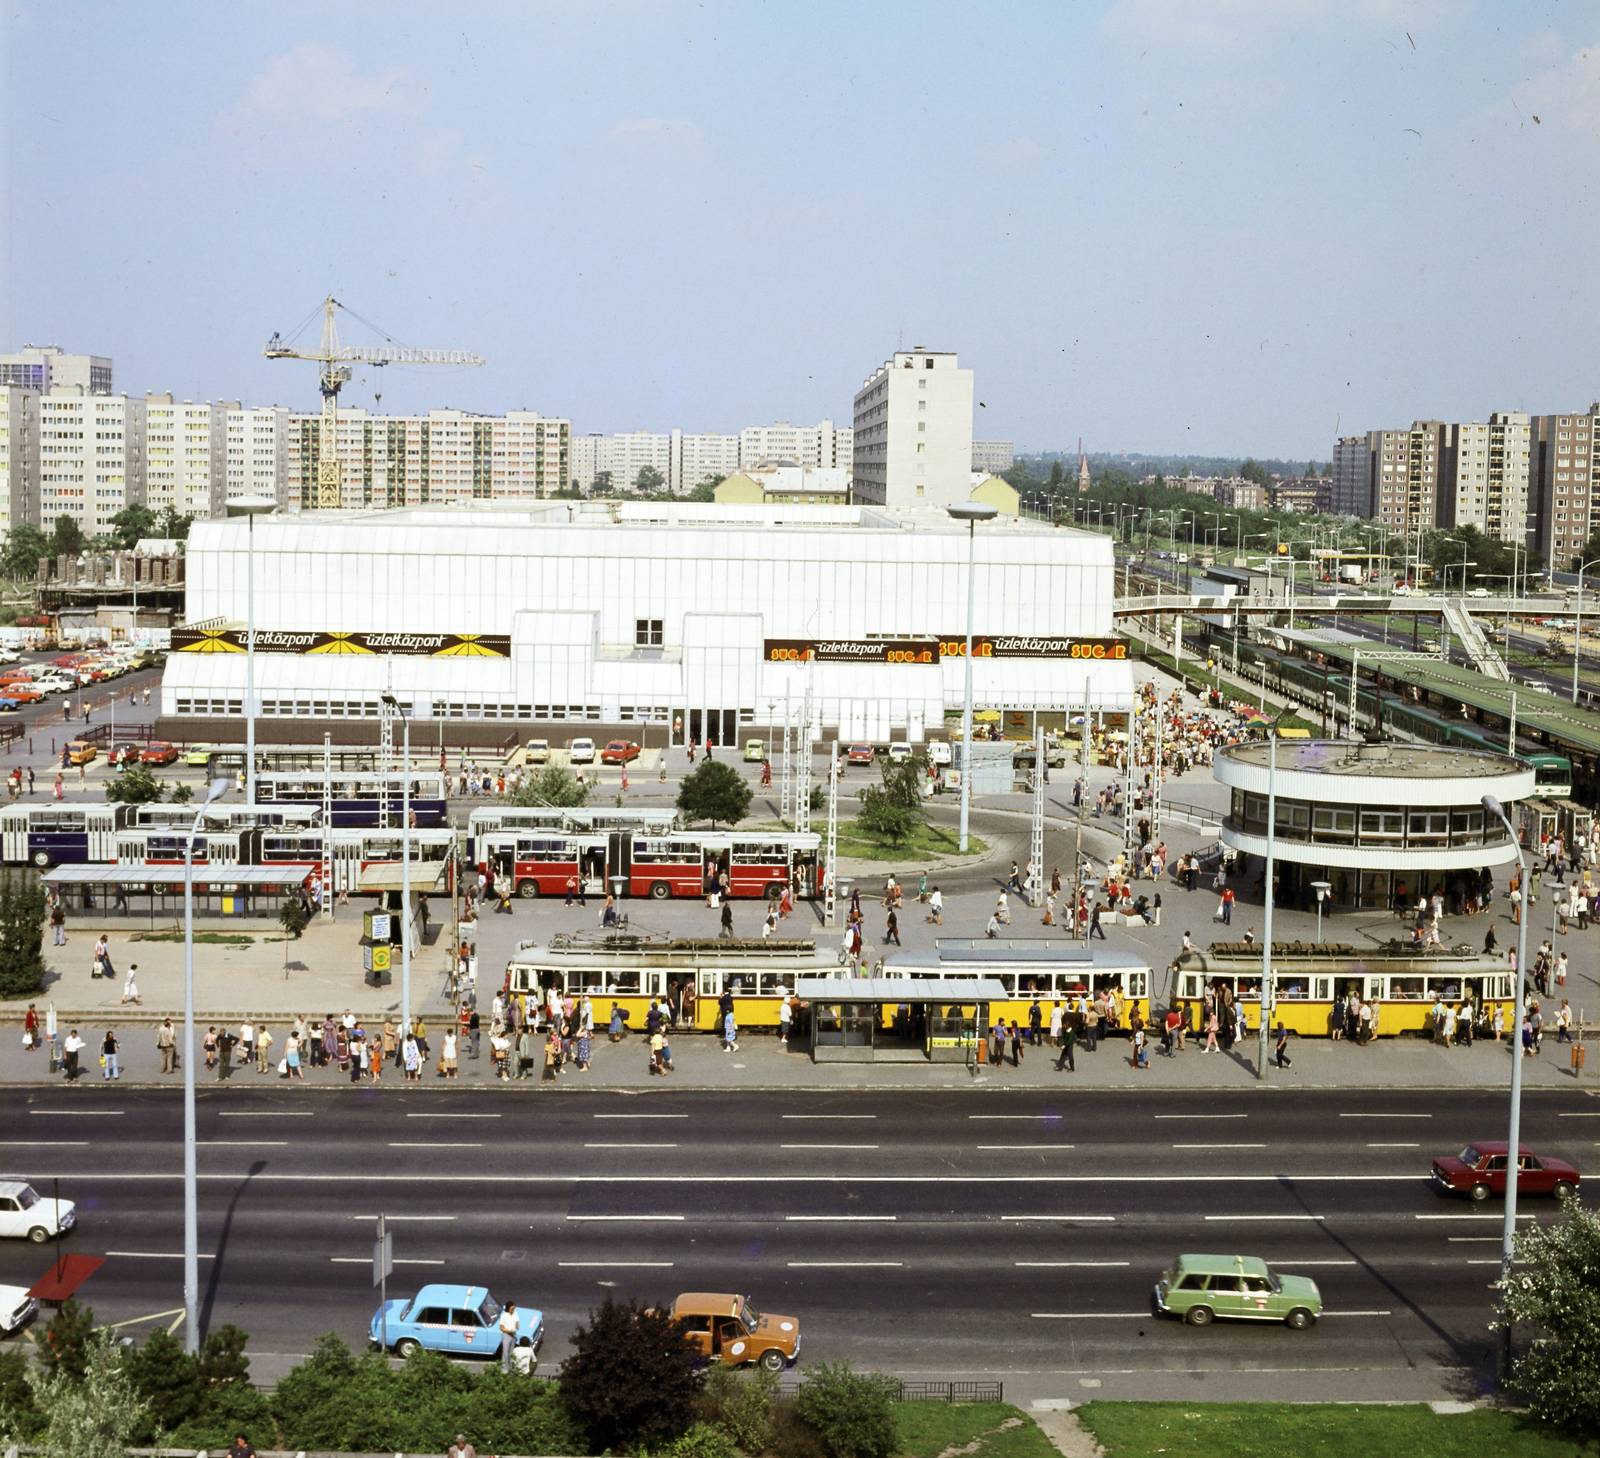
point(70, 1050)
point(247, 1041)
point(508, 1334)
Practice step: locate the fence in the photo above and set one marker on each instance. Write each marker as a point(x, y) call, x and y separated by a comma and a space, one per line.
point(932, 1392)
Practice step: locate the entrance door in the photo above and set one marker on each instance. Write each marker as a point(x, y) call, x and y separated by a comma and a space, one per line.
point(619, 861)
point(592, 868)
point(696, 729)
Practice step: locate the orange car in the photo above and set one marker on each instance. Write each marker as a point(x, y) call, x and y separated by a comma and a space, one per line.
point(81, 752)
point(159, 753)
point(21, 693)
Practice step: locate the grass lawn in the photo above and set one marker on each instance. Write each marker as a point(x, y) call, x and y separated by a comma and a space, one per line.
point(208, 939)
point(1273, 1429)
point(927, 842)
point(928, 1428)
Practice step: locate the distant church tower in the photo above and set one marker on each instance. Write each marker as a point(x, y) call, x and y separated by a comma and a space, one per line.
point(1083, 467)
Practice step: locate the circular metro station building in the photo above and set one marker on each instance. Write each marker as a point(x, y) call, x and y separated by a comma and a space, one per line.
point(1382, 823)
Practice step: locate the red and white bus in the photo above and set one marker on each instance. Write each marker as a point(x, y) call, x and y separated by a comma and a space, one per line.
point(658, 864)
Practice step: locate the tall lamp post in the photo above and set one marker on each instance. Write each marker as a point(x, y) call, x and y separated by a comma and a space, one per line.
point(1514, 1134)
point(393, 705)
point(250, 507)
point(1321, 888)
point(191, 1214)
point(971, 512)
point(1577, 626)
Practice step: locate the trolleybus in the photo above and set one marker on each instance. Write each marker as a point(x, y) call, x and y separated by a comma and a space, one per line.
point(85, 832)
point(360, 798)
point(488, 818)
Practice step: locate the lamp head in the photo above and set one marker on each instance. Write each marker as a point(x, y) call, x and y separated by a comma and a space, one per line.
point(251, 505)
point(217, 789)
point(1492, 805)
point(973, 511)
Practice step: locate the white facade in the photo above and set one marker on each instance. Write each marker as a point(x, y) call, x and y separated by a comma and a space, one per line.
point(641, 611)
point(19, 457)
point(188, 454)
point(696, 458)
point(824, 444)
point(1490, 490)
point(42, 367)
point(258, 453)
point(913, 432)
point(91, 457)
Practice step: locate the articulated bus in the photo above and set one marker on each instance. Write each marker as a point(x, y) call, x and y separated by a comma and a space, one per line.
point(632, 969)
point(354, 850)
point(85, 833)
point(285, 758)
point(1403, 982)
point(654, 864)
point(562, 817)
point(360, 799)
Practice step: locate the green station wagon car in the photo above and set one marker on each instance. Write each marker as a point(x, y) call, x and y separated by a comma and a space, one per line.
point(1200, 1288)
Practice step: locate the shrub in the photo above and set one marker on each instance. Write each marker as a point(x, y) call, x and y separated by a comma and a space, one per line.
point(66, 1339)
point(741, 1403)
point(851, 1412)
point(92, 1414)
point(632, 1377)
point(22, 907)
point(291, 918)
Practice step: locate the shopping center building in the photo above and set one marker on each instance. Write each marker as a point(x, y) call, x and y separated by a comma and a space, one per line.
point(704, 617)
point(1381, 823)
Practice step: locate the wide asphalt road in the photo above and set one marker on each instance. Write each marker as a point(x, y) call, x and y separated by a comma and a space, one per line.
point(1014, 1235)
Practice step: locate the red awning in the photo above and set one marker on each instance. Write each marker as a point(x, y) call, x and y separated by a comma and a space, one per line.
point(63, 1279)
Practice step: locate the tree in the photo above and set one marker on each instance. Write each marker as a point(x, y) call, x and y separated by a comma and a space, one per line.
point(1557, 1290)
point(706, 490)
point(22, 910)
point(291, 918)
point(716, 791)
point(136, 785)
point(94, 1413)
point(852, 1412)
point(893, 810)
point(25, 544)
point(132, 525)
point(633, 1375)
point(1057, 478)
point(1250, 471)
point(167, 1378)
point(553, 785)
point(648, 480)
point(174, 526)
point(66, 1340)
point(68, 539)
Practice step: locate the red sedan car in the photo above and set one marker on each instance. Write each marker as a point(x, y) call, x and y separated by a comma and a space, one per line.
point(619, 751)
point(124, 754)
point(1480, 1171)
point(159, 753)
point(859, 754)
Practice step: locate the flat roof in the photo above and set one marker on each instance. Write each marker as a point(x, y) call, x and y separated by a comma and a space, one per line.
point(167, 873)
point(1388, 759)
point(900, 989)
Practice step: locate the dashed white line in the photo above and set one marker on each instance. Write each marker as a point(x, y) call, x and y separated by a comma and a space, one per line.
point(429, 1144)
point(156, 1255)
point(827, 1146)
point(1469, 1216)
point(830, 1116)
point(1394, 1146)
point(1202, 1116)
point(1014, 1116)
point(1301, 1265)
point(1219, 1146)
point(641, 1116)
point(833, 1264)
point(623, 1217)
point(1073, 1264)
point(265, 1113)
point(392, 1218)
point(647, 1144)
point(367, 1261)
point(1027, 1146)
point(1385, 1116)
point(82, 1113)
point(47, 1143)
point(842, 1217)
point(1107, 1219)
point(1473, 1239)
point(452, 1116)
point(618, 1265)
point(1266, 1217)
point(244, 1143)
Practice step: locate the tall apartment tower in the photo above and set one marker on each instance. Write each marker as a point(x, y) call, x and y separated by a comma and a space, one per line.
point(42, 367)
point(19, 457)
point(91, 457)
point(1352, 476)
point(188, 454)
point(912, 444)
point(1486, 485)
point(258, 452)
point(1406, 467)
point(1564, 471)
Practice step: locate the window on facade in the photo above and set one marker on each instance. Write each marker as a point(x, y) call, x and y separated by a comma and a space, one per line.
point(647, 632)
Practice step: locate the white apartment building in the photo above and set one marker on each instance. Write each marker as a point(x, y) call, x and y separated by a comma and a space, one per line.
point(445, 456)
point(1489, 489)
point(993, 456)
point(1406, 471)
point(19, 457)
point(42, 367)
point(91, 457)
point(258, 453)
point(186, 466)
point(697, 458)
point(913, 432)
point(823, 445)
point(1565, 485)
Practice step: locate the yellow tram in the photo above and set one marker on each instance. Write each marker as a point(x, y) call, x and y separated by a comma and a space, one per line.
point(1401, 981)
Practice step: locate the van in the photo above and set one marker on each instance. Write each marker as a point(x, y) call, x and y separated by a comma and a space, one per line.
point(538, 751)
point(938, 751)
point(729, 1330)
point(580, 751)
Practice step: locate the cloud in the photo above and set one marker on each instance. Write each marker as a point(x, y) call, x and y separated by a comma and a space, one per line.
point(1566, 96)
point(318, 83)
point(676, 126)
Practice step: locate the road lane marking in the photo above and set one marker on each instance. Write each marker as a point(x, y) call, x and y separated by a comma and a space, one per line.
point(243, 1143)
point(452, 1116)
point(1219, 1146)
point(46, 1143)
point(1302, 1264)
point(84, 1113)
point(622, 1217)
point(1385, 1116)
point(1394, 1146)
point(1090, 1315)
point(1578, 1116)
point(830, 1116)
point(841, 1217)
point(265, 1113)
point(1483, 1263)
point(832, 1264)
point(1013, 1116)
point(646, 1145)
point(367, 1261)
point(430, 1144)
point(1266, 1217)
point(1202, 1116)
point(1358, 1313)
point(1073, 1264)
point(1027, 1146)
point(402, 1217)
point(1059, 1217)
point(156, 1255)
point(641, 1116)
point(1473, 1239)
point(1469, 1216)
point(619, 1265)
point(827, 1146)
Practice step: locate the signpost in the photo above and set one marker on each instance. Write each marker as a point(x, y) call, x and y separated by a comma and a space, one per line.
point(382, 1269)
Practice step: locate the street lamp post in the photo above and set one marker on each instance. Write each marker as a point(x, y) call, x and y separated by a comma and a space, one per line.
point(191, 1214)
point(1514, 1133)
point(1321, 888)
point(1577, 626)
point(393, 704)
point(250, 507)
point(1266, 915)
point(971, 512)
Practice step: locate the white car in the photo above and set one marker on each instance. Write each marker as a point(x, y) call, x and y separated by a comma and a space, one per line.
point(16, 1308)
point(580, 751)
point(899, 750)
point(24, 1213)
point(939, 751)
point(1479, 592)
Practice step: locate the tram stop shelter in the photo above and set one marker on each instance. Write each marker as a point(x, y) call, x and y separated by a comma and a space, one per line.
point(128, 895)
point(935, 1021)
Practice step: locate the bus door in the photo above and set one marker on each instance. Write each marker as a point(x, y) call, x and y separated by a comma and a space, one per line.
point(592, 864)
point(714, 861)
point(619, 860)
point(103, 824)
point(346, 864)
point(803, 874)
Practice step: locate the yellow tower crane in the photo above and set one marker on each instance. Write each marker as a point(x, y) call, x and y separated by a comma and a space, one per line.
point(336, 360)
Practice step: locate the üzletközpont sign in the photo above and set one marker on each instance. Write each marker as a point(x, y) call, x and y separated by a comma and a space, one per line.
point(875, 650)
point(428, 645)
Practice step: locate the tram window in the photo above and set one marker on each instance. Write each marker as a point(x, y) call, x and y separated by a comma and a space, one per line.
point(775, 984)
point(1292, 988)
point(1429, 827)
point(520, 980)
point(1322, 988)
point(1328, 823)
point(1406, 989)
point(1248, 989)
point(619, 981)
point(1382, 825)
point(1137, 984)
point(1449, 988)
point(709, 982)
point(1466, 827)
point(1191, 984)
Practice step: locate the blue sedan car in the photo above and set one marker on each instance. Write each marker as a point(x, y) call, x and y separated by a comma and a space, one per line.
point(457, 1320)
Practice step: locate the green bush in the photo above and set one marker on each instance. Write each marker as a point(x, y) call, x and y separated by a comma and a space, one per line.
point(742, 1404)
point(851, 1412)
point(22, 907)
point(703, 1440)
point(633, 1376)
point(291, 918)
point(20, 1420)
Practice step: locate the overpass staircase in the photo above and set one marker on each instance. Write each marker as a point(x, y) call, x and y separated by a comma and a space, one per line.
point(1474, 640)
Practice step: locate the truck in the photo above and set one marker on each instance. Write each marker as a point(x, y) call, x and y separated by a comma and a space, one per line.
point(1352, 572)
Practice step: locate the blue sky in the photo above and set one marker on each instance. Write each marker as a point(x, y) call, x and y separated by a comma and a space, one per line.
point(1163, 225)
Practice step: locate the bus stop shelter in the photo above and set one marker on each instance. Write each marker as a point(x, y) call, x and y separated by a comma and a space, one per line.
point(130, 895)
point(936, 1020)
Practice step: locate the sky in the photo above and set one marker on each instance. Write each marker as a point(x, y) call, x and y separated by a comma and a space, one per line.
point(1219, 226)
